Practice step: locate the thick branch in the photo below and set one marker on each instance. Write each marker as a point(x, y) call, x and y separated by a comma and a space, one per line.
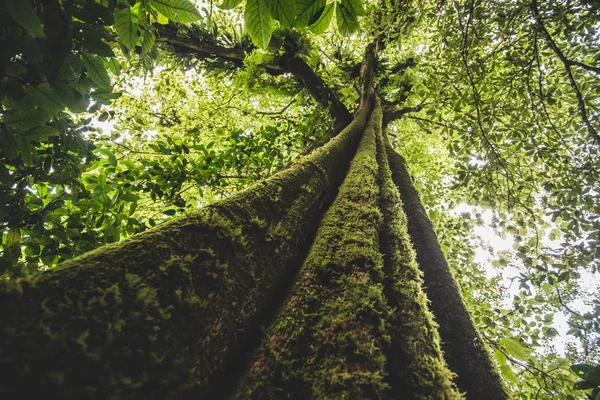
point(393, 115)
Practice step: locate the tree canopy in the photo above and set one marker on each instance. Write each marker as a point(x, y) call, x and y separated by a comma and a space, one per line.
point(117, 116)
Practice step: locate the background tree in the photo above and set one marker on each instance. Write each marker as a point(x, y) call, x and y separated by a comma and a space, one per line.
point(510, 108)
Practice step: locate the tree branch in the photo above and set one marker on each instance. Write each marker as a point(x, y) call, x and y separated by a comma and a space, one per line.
point(393, 115)
point(567, 64)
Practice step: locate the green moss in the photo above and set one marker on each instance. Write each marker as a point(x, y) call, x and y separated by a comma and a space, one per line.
point(165, 309)
point(328, 340)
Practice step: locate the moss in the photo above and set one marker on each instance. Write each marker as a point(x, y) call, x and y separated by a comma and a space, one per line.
point(166, 311)
point(328, 339)
point(417, 369)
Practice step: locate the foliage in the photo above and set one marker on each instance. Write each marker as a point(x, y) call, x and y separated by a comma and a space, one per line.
point(506, 128)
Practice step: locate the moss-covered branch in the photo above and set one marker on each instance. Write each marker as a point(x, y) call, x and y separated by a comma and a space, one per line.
point(417, 369)
point(163, 312)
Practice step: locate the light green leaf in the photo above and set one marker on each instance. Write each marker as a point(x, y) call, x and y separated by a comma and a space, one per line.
point(47, 99)
point(500, 357)
point(346, 17)
point(24, 14)
point(41, 133)
point(176, 10)
point(509, 375)
point(258, 22)
point(324, 20)
point(308, 11)
point(126, 27)
point(95, 70)
point(284, 11)
point(149, 39)
point(229, 4)
point(515, 349)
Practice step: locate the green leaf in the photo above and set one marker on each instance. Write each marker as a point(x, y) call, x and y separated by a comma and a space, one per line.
point(95, 70)
point(126, 27)
point(41, 133)
point(500, 357)
point(258, 22)
point(148, 41)
point(346, 16)
point(25, 119)
point(324, 20)
point(24, 14)
point(176, 10)
point(130, 197)
point(588, 372)
point(284, 11)
point(47, 99)
point(309, 11)
point(229, 4)
point(515, 349)
point(70, 97)
point(509, 375)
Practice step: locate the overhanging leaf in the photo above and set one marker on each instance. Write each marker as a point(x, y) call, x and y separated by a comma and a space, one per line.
point(258, 22)
point(284, 11)
point(346, 17)
point(95, 70)
point(515, 349)
point(74, 100)
point(229, 4)
point(126, 27)
point(148, 41)
point(47, 99)
point(25, 119)
point(24, 14)
point(324, 20)
point(41, 133)
point(308, 11)
point(176, 10)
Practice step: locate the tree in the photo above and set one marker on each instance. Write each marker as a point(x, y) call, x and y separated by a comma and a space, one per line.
point(355, 320)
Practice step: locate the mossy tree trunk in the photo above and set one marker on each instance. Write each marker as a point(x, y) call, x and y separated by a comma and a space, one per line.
point(173, 312)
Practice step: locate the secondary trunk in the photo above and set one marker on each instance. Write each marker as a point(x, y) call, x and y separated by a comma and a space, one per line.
point(461, 343)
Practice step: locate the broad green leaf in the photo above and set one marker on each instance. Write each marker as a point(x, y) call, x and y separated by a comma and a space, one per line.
point(509, 375)
point(41, 133)
point(324, 20)
point(176, 10)
point(130, 197)
point(229, 4)
point(95, 70)
point(258, 22)
point(308, 11)
point(24, 119)
point(24, 14)
point(126, 27)
point(515, 349)
point(284, 11)
point(346, 17)
point(113, 66)
point(13, 241)
point(500, 357)
point(148, 43)
point(47, 99)
point(588, 372)
point(70, 97)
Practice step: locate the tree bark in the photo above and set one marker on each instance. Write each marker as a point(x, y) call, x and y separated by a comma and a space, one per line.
point(164, 312)
point(463, 348)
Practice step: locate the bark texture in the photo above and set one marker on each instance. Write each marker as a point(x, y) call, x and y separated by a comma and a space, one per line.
point(463, 348)
point(164, 311)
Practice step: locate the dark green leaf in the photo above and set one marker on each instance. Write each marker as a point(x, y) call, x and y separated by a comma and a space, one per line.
point(95, 70)
point(324, 20)
point(23, 12)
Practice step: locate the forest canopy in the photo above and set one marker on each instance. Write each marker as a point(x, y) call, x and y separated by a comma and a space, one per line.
point(117, 116)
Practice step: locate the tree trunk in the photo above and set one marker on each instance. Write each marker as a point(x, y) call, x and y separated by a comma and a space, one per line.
point(463, 349)
point(167, 310)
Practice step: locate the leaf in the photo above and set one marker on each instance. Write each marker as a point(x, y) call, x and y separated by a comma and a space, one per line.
point(25, 119)
point(284, 11)
point(24, 14)
point(229, 4)
point(500, 357)
point(70, 97)
point(346, 16)
point(47, 99)
point(95, 70)
point(258, 22)
point(126, 27)
point(13, 241)
point(176, 10)
point(324, 20)
point(515, 349)
point(588, 372)
point(509, 375)
point(308, 11)
point(130, 197)
point(41, 133)
point(148, 42)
